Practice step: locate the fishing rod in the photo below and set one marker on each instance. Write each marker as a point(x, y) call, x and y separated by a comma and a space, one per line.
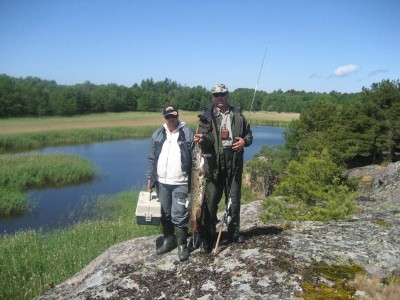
point(258, 80)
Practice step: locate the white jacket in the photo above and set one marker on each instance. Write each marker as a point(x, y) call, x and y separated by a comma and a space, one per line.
point(169, 169)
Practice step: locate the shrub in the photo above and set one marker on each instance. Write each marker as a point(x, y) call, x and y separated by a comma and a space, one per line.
point(312, 189)
point(265, 169)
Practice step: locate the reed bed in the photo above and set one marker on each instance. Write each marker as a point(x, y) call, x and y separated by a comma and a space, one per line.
point(35, 140)
point(273, 116)
point(46, 124)
point(259, 122)
point(262, 118)
point(12, 202)
point(21, 172)
point(32, 262)
point(31, 133)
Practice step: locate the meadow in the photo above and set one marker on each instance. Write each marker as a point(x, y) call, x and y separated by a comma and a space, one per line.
point(30, 133)
point(14, 126)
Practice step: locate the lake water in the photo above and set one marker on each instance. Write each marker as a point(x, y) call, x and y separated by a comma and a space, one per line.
point(122, 166)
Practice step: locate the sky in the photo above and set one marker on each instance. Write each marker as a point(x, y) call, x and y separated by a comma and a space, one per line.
point(305, 45)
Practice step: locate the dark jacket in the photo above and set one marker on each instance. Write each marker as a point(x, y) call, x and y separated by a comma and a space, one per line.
point(212, 145)
point(185, 142)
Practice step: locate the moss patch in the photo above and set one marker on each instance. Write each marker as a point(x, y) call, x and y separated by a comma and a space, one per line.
point(383, 223)
point(321, 281)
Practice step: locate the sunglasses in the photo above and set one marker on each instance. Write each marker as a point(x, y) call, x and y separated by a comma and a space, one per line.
point(171, 117)
point(216, 95)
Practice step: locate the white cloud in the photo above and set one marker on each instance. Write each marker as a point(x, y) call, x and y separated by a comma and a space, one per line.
point(345, 70)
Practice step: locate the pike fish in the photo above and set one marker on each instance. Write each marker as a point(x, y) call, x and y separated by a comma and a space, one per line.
point(197, 188)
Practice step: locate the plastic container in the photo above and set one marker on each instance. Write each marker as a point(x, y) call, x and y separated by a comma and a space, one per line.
point(148, 209)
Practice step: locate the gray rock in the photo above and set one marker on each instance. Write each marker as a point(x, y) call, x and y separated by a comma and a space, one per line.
point(267, 266)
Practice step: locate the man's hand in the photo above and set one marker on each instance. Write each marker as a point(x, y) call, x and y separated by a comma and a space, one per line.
point(198, 138)
point(238, 145)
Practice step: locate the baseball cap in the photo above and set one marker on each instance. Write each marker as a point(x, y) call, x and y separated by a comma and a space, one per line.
point(170, 110)
point(219, 88)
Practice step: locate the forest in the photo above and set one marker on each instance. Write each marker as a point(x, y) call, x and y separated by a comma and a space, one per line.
point(32, 96)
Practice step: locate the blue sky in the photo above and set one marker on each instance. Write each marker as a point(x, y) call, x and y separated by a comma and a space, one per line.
point(309, 45)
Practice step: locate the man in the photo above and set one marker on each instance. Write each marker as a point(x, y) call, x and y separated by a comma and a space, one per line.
point(223, 132)
point(169, 169)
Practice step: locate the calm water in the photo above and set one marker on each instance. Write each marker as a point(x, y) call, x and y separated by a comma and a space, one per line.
point(122, 166)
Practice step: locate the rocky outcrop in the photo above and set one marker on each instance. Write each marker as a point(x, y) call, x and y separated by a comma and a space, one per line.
point(268, 266)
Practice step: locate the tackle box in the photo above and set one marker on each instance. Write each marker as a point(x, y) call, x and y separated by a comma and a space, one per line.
point(148, 209)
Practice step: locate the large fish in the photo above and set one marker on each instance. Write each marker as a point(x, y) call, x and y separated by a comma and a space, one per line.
point(197, 188)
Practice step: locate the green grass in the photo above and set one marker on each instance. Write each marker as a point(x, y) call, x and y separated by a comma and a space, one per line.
point(32, 262)
point(30, 133)
point(12, 202)
point(21, 172)
point(35, 140)
point(280, 123)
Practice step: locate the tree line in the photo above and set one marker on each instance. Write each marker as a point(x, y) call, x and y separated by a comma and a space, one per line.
point(32, 96)
point(362, 132)
point(355, 128)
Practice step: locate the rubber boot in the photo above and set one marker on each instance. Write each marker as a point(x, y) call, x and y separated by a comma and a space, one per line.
point(169, 238)
point(208, 241)
point(234, 234)
point(181, 238)
point(207, 245)
point(238, 237)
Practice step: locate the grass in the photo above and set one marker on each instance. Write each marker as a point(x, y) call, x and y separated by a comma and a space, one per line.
point(126, 119)
point(30, 133)
point(21, 172)
point(35, 140)
point(32, 262)
point(47, 124)
point(322, 281)
point(375, 288)
point(34, 170)
point(12, 202)
point(262, 118)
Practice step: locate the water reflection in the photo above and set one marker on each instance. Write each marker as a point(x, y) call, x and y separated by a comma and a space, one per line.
point(122, 165)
